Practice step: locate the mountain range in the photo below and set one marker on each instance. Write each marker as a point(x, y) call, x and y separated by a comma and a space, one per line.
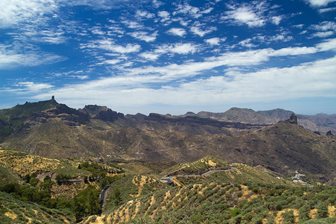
point(276, 139)
point(322, 123)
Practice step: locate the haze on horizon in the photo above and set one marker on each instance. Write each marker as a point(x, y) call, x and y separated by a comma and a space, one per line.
point(170, 57)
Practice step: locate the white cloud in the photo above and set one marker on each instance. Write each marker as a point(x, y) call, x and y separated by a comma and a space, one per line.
point(313, 79)
point(276, 20)
point(247, 43)
point(109, 45)
point(325, 10)
point(34, 87)
point(319, 3)
point(213, 41)
point(95, 4)
point(150, 56)
point(323, 34)
point(46, 36)
point(144, 14)
point(283, 37)
point(81, 77)
point(328, 45)
point(157, 3)
point(325, 26)
point(132, 24)
point(111, 62)
point(246, 14)
point(164, 15)
point(10, 58)
point(177, 32)
point(325, 29)
point(303, 80)
point(14, 12)
point(293, 51)
point(145, 36)
point(188, 10)
point(199, 30)
point(178, 48)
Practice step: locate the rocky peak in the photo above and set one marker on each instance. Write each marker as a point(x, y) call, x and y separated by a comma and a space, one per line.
point(102, 113)
point(189, 113)
point(293, 119)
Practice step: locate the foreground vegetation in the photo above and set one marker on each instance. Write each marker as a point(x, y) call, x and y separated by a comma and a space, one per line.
point(39, 190)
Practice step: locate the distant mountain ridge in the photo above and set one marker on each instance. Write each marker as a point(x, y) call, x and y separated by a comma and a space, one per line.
point(318, 123)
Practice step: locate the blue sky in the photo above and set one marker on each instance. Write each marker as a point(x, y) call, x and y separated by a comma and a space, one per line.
point(170, 56)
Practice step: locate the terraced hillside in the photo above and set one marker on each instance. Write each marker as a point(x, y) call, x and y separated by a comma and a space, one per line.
point(226, 203)
point(241, 194)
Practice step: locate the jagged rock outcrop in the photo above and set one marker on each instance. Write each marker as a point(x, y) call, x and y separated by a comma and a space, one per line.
point(293, 119)
point(70, 116)
point(329, 133)
point(102, 113)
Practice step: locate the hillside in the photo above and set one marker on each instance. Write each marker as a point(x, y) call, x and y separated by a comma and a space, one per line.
point(45, 190)
point(209, 190)
point(13, 210)
point(237, 194)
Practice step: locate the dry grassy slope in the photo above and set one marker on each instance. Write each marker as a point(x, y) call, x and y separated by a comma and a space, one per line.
point(282, 147)
point(24, 164)
point(19, 212)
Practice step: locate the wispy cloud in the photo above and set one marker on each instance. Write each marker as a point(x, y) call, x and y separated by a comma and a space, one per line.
point(201, 30)
point(178, 48)
point(328, 9)
point(305, 80)
point(97, 4)
point(14, 12)
point(319, 3)
point(33, 87)
point(11, 58)
point(324, 29)
point(109, 45)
